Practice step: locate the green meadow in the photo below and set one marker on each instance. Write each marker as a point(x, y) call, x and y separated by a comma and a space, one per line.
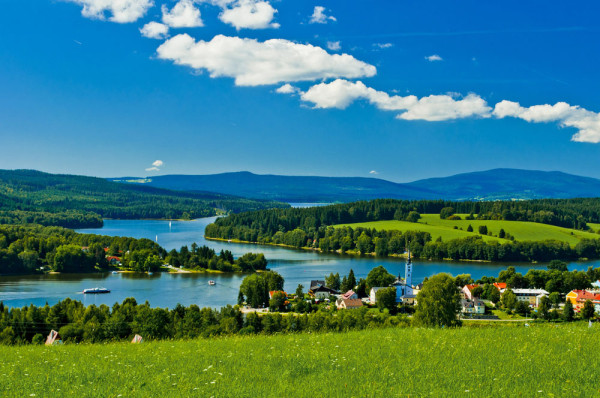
point(521, 230)
point(543, 360)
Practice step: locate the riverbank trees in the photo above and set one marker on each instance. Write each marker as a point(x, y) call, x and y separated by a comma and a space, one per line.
point(26, 249)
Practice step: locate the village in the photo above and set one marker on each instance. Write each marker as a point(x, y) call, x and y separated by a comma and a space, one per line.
point(489, 301)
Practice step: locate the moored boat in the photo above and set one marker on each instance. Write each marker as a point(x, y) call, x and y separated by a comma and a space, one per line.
point(96, 290)
point(212, 283)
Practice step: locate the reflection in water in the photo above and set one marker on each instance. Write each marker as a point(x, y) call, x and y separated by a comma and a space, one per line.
point(166, 290)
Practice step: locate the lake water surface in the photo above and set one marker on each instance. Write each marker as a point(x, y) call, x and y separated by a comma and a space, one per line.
point(166, 290)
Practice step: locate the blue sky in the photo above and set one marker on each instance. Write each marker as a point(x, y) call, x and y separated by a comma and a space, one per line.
point(407, 89)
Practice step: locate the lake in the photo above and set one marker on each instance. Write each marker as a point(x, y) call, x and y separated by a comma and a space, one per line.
point(166, 290)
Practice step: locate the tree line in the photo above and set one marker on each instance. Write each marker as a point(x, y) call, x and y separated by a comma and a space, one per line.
point(25, 249)
point(263, 224)
point(386, 243)
point(76, 323)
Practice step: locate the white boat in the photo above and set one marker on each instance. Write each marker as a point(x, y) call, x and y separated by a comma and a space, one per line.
point(212, 283)
point(96, 290)
point(115, 272)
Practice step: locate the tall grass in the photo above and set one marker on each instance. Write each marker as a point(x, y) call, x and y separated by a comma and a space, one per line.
point(541, 360)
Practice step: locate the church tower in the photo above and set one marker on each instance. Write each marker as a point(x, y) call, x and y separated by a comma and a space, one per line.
point(408, 268)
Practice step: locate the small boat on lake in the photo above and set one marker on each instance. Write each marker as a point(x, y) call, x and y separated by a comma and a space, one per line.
point(115, 272)
point(212, 283)
point(96, 290)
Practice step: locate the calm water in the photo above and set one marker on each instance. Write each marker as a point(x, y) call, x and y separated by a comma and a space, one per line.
point(166, 290)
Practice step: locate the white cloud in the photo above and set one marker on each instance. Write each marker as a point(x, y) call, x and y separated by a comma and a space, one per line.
point(436, 108)
point(250, 14)
point(587, 122)
point(334, 45)
point(154, 30)
point(373, 172)
point(433, 58)
point(341, 93)
point(183, 15)
point(253, 63)
point(318, 16)
point(382, 46)
point(122, 11)
point(155, 165)
point(288, 89)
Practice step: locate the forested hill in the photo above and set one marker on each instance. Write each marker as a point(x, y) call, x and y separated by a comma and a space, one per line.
point(313, 227)
point(286, 188)
point(498, 184)
point(28, 196)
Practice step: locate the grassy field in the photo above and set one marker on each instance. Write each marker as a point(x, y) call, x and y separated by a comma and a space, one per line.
point(541, 360)
point(521, 230)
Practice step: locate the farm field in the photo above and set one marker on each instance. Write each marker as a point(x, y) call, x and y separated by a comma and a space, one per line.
point(521, 230)
point(541, 360)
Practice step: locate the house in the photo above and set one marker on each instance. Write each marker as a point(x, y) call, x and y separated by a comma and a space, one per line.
point(348, 304)
point(467, 291)
point(272, 293)
point(579, 297)
point(113, 260)
point(530, 296)
point(321, 292)
point(349, 295)
point(373, 294)
point(473, 306)
point(501, 286)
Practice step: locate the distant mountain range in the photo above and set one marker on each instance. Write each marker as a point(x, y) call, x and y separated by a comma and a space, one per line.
point(497, 184)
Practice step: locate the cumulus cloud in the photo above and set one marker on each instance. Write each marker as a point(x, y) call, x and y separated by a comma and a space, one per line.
point(288, 89)
point(254, 63)
point(155, 165)
point(433, 58)
point(373, 172)
point(587, 122)
point(318, 16)
point(183, 15)
point(436, 108)
point(250, 14)
point(154, 30)
point(121, 11)
point(334, 45)
point(341, 93)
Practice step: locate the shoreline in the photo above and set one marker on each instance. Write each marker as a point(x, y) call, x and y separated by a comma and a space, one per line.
point(357, 254)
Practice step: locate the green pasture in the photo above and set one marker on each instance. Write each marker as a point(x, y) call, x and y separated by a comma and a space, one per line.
point(538, 361)
point(521, 230)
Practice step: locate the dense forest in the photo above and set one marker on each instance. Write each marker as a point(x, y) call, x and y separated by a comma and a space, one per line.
point(310, 227)
point(26, 249)
point(28, 196)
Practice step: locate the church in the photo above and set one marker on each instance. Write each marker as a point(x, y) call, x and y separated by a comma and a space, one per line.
point(405, 292)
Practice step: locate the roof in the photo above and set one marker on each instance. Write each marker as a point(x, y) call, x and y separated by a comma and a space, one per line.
point(348, 294)
point(532, 292)
point(316, 282)
point(113, 258)
point(352, 302)
point(472, 303)
point(471, 286)
point(583, 295)
point(321, 288)
point(500, 285)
